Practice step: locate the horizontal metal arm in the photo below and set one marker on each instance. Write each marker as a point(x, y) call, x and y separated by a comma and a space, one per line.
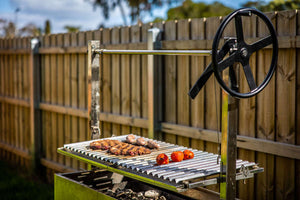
point(155, 52)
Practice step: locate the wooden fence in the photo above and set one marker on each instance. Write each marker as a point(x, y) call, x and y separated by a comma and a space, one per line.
point(44, 98)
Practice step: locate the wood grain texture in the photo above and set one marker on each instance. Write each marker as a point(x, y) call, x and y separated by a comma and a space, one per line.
point(144, 75)
point(136, 79)
point(212, 96)
point(116, 76)
point(247, 108)
point(285, 107)
point(183, 82)
point(170, 90)
point(53, 99)
point(107, 83)
point(197, 66)
point(60, 99)
point(125, 80)
point(74, 94)
point(67, 94)
point(265, 116)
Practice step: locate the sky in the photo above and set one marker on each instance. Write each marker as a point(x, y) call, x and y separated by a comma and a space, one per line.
point(75, 13)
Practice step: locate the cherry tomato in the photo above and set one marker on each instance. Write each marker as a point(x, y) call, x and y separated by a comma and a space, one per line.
point(188, 154)
point(177, 156)
point(162, 159)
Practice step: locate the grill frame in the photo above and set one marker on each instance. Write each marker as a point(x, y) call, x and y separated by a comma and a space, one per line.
point(152, 174)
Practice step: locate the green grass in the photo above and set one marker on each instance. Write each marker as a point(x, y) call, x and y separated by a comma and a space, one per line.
point(16, 184)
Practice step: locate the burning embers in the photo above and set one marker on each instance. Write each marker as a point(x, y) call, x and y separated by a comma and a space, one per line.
point(131, 195)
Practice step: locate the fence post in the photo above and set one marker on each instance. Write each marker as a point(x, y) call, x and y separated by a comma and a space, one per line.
point(154, 85)
point(35, 118)
point(93, 88)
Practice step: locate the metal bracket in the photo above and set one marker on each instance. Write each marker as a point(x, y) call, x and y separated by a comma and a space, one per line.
point(95, 132)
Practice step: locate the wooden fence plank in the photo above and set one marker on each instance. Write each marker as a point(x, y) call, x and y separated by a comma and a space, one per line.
point(22, 110)
point(67, 95)
point(60, 99)
point(15, 108)
point(285, 107)
point(116, 75)
point(74, 94)
point(17, 95)
point(212, 96)
point(197, 66)
point(48, 125)
point(247, 113)
point(82, 95)
point(265, 119)
point(183, 82)
point(26, 44)
point(170, 82)
point(297, 166)
point(136, 82)
point(2, 124)
point(53, 99)
point(144, 68)
point(125, 79)
point(107, 83)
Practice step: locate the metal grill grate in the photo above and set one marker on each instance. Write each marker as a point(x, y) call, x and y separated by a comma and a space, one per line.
point(202, 165)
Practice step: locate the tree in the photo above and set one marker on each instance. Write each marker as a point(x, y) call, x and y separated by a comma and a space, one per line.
point(71, 29)
point(47, 27)
point(189, 9)
point(136, 7)
point(29, 30)
point(8, 28)
point(275, 5)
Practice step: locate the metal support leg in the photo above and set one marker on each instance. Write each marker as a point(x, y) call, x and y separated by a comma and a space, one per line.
point(94, 88)
point(228, 144)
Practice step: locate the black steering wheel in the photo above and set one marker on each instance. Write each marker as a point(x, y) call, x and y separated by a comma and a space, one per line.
point(243, 52)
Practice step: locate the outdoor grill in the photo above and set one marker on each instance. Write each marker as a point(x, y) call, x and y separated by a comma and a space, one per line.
point(176, 178)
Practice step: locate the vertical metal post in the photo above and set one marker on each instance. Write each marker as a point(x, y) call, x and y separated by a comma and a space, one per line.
point(153, 84)
point(94, 88)
point(224, 144)
point(229, 134)
point(35, 139)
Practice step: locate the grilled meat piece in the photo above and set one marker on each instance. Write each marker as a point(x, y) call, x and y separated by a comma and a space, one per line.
point(131, 139)
point(152, 145)
point(117, 147)
point(117, 150)
point(103, 144)
point(141, 142)
point(128, 149)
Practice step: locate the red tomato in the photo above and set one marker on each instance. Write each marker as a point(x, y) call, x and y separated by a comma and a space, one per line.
point(162, 159)
point(177, 156)
point(188, 154)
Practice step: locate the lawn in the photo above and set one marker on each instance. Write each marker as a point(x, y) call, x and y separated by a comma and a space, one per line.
point(16, 184)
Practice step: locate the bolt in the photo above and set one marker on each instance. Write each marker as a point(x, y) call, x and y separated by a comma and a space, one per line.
point(244, 52)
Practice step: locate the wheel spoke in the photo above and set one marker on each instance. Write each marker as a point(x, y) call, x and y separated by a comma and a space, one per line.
point(239, 28)
point(249, 76)
point(228, 61)
point(266, 41)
